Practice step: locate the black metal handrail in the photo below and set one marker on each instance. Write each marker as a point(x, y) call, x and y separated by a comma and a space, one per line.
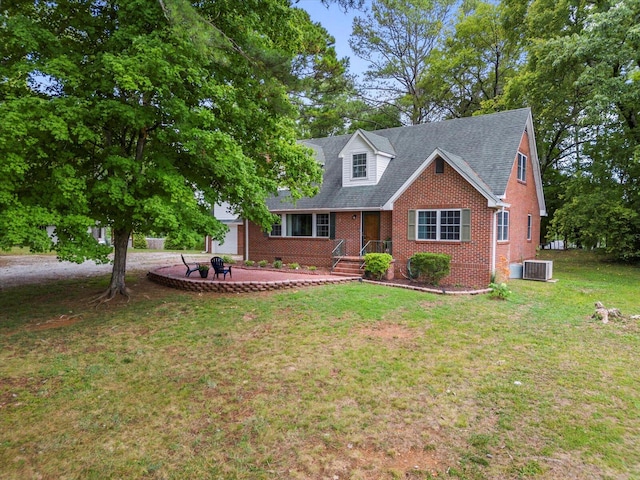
point(338, 252)
point(376, 246)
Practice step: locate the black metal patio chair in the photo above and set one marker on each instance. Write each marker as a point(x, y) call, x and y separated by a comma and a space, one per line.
point(218, 268)
point(191, 267)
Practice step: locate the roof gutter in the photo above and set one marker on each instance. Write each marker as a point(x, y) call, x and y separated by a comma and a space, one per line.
point(350, 209)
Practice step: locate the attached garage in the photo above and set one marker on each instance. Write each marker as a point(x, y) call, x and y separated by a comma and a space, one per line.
point(230, 244)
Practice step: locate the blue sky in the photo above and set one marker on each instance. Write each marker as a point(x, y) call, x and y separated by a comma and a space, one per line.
point(337, 24)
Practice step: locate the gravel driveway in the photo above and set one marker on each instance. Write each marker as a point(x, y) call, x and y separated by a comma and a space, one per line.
point(21, 269)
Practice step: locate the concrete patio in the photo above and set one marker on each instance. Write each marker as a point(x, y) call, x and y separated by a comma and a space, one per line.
point(244, 280)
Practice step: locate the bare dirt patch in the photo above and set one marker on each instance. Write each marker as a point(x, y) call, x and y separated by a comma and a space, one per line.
point(61, 321)
point(413, 463)
point(388, 331)
point(12, 390)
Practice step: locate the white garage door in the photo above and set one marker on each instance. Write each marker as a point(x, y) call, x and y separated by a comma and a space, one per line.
point(230, 245)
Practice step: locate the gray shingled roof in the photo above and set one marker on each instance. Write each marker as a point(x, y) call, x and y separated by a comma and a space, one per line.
point(380, 143)
point(469, 173)
point(487, 144)
point(319, 153)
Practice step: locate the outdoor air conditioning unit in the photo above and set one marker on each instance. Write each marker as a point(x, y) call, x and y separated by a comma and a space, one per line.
point(537, 270)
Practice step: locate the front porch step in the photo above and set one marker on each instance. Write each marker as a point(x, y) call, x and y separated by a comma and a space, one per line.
point(347, 272)
point(349, 267)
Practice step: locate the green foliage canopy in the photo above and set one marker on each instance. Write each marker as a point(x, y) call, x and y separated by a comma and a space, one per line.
point(608, 183)
point(469, 72)
point(139, 116)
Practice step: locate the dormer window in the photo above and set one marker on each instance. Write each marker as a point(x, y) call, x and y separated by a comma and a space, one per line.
point(365, 157)
point(359, 165)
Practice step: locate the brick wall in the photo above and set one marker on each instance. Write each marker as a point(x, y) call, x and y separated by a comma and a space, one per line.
point(470, 261)
point(348, 229)
point(524, 201)
point(305, 251)
point(386, 225)
point(314, 251)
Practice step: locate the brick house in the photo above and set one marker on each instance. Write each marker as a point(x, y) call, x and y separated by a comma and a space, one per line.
point(468, 187)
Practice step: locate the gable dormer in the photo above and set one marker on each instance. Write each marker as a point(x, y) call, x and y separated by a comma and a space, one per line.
point(365, 158)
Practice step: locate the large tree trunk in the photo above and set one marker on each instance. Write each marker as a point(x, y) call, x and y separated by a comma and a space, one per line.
point(117, 285)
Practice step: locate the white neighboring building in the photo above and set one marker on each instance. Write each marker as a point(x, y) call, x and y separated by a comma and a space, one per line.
point(99, 233)
point(230, 244)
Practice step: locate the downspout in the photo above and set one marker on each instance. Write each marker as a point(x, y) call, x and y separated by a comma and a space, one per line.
point(494, 243)
point(246, 239)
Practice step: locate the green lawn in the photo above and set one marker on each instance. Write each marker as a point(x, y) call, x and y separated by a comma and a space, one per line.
point(337, 382)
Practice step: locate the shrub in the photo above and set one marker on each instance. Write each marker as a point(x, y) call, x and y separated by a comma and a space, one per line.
point(377, 264)
point(499, 291)
point(277, 264)
point(249, 263)
point(294, 266)
point(184, 241)
point(313, 268)
point(139, 240)
point(228, 259)
point(429, 267)
point(263, 263)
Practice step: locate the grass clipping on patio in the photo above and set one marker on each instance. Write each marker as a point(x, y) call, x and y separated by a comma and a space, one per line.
point(350, 381)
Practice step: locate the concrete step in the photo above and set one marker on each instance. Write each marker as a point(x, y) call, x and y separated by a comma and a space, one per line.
point(349, 267)
point(346, 274)
point(348, 270)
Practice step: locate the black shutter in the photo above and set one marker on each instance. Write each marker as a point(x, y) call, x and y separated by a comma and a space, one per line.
point(332, 225)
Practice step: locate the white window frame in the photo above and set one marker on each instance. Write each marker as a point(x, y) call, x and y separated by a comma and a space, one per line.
point(439, 225)
point(365, 166)
point(502, 225)
point(529, 225)
point(314, 226)
point(522, 167)
point(289, 225)
point(318, 224)
point(276, 227)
